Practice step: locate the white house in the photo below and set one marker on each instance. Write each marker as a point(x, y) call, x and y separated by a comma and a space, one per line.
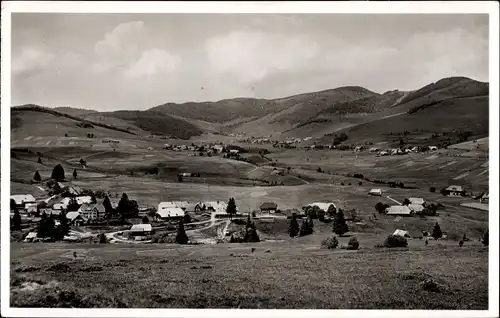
point(455, 190)
point(433, 148)
point(75, 218)
point(402, 233)
point(92, 211)
point(216, 206)
point(63, 204)
point(377, 192)
point(416, 207)
point(398, 210)
point(420, 201)
point(140, 229)
point(22, 199)
point(169, 213)
point(323, 205)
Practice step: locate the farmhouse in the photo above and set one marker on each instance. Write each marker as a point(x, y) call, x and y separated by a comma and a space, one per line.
point(322, 205)
point(416, 207)
point(402, 233)
point(420, 201)
point(218, 206)
point(140, 230)
point(268, 207)
point(75, 218)
point(169, 213)
point(383, 153)
point(377, 192)
point(22, 199)
point(218, 148)
point(399, 210)
point(63, 204)
point(373, 149)
point(454, 191)
point(359, 148)
point(92, 212)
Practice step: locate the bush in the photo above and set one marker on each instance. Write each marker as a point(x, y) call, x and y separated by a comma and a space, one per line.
point(395, 241)
point(436, 232)
point(443, 192)
point(330, 243)
point(486, 240)
point(380, 207)
point(58, 173)
point(319, 170)
point(432, 189)
point(360, 183)
point(353, 244)
point(102, 238)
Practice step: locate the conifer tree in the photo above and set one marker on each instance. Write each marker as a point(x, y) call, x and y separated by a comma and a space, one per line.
point(339, 224)
point(181, 237)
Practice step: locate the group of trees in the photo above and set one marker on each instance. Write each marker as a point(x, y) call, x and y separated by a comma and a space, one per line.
point(48, 229)
point(339, 227)
point(249, 235)
point(231, 208)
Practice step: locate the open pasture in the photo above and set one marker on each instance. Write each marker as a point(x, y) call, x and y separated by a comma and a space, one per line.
point(232, 276)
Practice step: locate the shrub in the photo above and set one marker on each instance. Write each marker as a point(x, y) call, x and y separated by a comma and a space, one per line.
point(330, 243)
point(37, 177)
point(360, 183)
point(145, 220)
point(181, 237)
point(319, 170)
point(486, 240)
point(406, 201)
point(380, 207)
point(353, 244)
point(102, 238)
point(443, 192)
point(395, 241)
point(293, 229)
point(432, 189)
point(436, 232)
point(339, 224)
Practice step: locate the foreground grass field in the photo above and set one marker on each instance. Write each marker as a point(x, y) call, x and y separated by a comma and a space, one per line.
point(230, 275)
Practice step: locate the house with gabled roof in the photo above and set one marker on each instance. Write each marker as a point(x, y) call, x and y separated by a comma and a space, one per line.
point(455, 190)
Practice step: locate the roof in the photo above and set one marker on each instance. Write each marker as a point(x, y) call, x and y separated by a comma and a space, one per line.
point(401, 233)
point(84, 199)
point(416, 207)
point(416, 201)
point(399, 210)
point(170, 212)
point(455, 188)
point(73, 215)
point(141, 228)
point(217, 206)
point(375, 191)
point(22, 198)
point(323, 205)
point(191, 207)
point(91, 206)
point(166, 205)
point(268, 206)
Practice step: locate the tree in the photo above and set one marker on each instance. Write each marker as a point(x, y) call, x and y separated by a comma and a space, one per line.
point(73, 205)
point(231, 208)
point(179, 178)
point(436, 232)
point(305, 227)
point(123, 206)
point(145, 220)
point(293, 229)
point(321, 215)
point(83, 162)
point(432, 189)
point(46, 227)
point(93, 199)
point(319, 169)
point(37, 176)
point(16, 221)
point(339, 224)
point(288, 169)
point(108, 208)
point(102, 238)
point(13, 205)
point(331, 210)
point(406, 201)
point(75, 174)
point(63, 228)
point(186, 218)
point(486, 238)
point(58, 173)
point(251, 235)
point(39, 160)
point(181, 237)
point(353, 244)
point(380, 207)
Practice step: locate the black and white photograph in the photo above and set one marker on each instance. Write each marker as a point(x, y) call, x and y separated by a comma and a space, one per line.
point(257, 159)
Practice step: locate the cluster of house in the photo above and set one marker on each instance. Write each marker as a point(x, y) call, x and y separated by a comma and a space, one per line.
point(399, 151)
point(211, 148)
point(177, 209)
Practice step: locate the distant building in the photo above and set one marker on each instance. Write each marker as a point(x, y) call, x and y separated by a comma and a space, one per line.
point(376, 192)
point(23, 199)
point(94, 212)
point(433, 148)
point(420, 201)
point(484, 198)
point(169, 213)
point(399, 210)
point(140, 230)
point(455, 191)
point(75, 218)
point(217, 206)
point(323, 205)
point(268, 207)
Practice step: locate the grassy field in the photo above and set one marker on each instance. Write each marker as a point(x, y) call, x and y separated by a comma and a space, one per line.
point(231, 276)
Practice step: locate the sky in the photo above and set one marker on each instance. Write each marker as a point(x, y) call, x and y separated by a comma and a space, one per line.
point(137, 61)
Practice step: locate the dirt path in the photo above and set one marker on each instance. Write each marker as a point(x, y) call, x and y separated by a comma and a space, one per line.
point(388, 197)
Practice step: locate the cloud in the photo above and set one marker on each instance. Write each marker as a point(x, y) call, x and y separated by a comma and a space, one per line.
point(250, 56)
point(31, 60)
point(153, 62)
